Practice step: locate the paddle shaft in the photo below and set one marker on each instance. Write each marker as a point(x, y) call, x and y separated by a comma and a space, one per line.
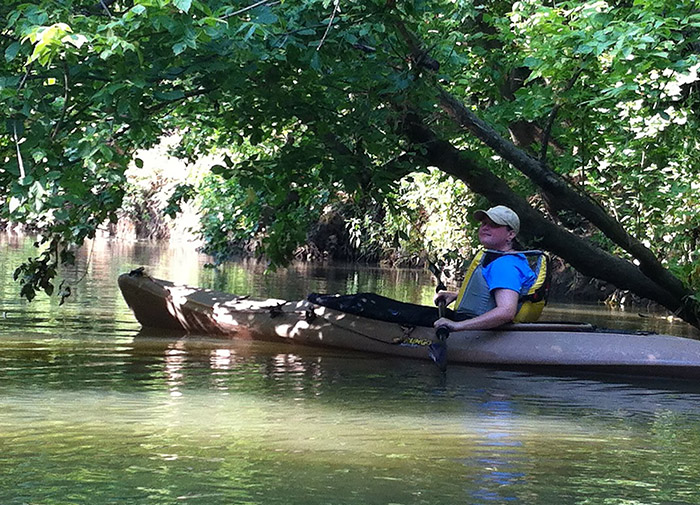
point(438, 349)
point(442, 332)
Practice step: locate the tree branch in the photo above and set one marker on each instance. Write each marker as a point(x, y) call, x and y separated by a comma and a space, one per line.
point(566, 195)
point(553, 115)
point(244, 9)
point(66, 100)
point(552, 183)
point(581, 254)
point(189, 94)
point(103, 4)
point(336, 8)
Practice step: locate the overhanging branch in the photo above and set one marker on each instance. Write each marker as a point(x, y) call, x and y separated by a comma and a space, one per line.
point(551, 182)
point(566, 195)
point(581, 254)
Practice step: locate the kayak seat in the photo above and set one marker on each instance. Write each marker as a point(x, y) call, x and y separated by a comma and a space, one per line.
point(381, 308)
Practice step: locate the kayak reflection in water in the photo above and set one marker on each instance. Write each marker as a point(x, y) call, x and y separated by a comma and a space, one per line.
point(492, 291)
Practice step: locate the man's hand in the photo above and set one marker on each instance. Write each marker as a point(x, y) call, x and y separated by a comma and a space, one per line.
point(446, 296)
point(444, 322)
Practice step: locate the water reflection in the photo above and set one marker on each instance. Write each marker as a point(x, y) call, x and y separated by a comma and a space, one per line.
point(175, 357)
point(93, 410)
point(498, 454)
point(323, 420)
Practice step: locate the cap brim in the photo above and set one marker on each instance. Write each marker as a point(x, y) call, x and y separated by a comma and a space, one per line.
point(480, 215)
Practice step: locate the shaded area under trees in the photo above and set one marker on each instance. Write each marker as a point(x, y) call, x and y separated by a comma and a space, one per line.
point(327, 102)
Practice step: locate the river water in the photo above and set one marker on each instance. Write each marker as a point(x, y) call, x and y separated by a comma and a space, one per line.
point(94, 411)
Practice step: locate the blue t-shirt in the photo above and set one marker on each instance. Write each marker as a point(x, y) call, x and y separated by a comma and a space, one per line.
point(510, 271)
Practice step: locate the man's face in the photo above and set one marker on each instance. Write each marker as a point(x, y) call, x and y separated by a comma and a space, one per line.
point(495, 236)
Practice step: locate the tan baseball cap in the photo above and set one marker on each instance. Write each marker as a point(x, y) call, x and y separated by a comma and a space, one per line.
point(500, 214)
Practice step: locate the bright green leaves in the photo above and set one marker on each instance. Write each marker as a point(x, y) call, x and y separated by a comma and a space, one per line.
point(49, 41)
point(66, 153)
point(136, 10)
point(612, 43)
point(84, 102)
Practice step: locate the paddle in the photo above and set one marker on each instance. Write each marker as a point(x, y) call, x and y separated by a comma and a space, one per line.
point(438, 349)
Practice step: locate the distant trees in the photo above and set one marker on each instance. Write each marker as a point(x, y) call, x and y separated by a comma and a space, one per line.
point(581, 116)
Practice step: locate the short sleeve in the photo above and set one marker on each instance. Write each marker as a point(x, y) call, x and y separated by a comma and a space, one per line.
point(509, 272)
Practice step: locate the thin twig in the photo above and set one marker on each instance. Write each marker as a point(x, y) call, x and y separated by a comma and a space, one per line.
point(547, 132)
point(87, 264)
point(20, 163)
point(185, 96)
point(26, 76)
point(104, 6)
point(336, 8)
point(553, 115)
point(66, 101)
point(15, 137)
point(241, 11)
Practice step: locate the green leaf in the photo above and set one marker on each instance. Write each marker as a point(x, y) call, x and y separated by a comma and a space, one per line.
point(250, 32)
point(316, 61)
point(12, 51)
point(169, 95)
point(138, 9)
point(183, 5)
point(75, 39)
point(266, 17)
point(532, 62)
point(179, 47)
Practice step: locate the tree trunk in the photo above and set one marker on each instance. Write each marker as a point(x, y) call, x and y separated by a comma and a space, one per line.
point(650, 280)
point(579, 253)
point(565, 194)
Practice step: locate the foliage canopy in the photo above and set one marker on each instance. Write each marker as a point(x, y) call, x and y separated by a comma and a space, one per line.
point(583, 116)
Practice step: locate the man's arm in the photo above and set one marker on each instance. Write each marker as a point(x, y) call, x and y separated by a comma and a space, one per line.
point(504, 312)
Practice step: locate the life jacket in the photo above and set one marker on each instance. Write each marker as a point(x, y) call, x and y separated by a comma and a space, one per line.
point(475, 298)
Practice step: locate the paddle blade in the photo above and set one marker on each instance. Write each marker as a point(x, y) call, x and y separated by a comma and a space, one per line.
point(438, 353)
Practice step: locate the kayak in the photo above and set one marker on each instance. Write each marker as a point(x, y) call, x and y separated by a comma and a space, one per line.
point(558, 347)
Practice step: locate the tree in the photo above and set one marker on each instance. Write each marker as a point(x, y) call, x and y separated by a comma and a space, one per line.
point(580, 116)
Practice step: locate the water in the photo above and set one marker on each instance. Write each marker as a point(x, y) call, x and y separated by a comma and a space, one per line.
point(95, 411)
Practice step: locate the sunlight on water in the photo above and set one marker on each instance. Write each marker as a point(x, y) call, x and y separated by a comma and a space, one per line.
point(94, 411)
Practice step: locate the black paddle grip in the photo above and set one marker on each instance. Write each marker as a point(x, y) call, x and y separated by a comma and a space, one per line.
point(442, 332)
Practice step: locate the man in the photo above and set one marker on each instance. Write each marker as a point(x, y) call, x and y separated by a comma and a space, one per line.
point(490, 296)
